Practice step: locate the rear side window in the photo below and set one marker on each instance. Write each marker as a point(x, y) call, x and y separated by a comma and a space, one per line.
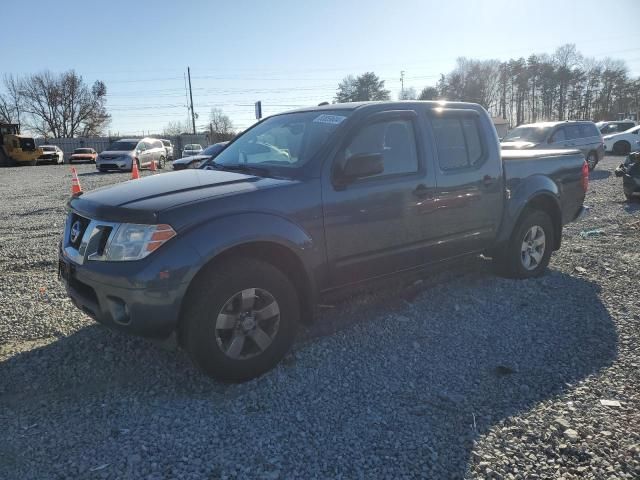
point(394, 139)
point(157, 144)
point(458, 141)
point(573, 132)
point(588, 130)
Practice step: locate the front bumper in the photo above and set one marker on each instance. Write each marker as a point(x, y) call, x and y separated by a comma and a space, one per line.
point(114, 164)
point(142, 297)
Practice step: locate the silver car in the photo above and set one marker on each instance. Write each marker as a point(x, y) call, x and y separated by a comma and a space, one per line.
point(122, 153)
point(191, 149)
point(578, 135)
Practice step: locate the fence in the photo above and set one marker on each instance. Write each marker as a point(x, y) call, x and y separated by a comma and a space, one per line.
point(99, 144)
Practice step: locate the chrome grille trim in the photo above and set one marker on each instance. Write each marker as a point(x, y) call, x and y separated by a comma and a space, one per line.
point(90, 242)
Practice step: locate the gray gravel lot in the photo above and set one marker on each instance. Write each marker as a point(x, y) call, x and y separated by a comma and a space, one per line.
point(461, 374)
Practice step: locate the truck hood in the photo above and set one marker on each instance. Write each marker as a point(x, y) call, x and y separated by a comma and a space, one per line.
point(517, 145)
point(192, 158)
point(141, 201)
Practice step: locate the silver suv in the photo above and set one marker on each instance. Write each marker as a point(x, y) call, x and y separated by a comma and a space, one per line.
point(578, 135)
point(122, 153)
point(168, 146)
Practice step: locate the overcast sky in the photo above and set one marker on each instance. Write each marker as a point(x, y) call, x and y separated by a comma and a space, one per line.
point(289, 53)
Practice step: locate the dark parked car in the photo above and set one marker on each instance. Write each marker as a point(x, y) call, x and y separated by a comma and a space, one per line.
point(305, 203)
point(583, 136)
point(196, 161)
point(630, 173)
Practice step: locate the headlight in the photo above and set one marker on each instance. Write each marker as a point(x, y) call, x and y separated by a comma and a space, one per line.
point(134, 242)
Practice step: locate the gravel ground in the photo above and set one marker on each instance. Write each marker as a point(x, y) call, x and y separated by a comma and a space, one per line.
point(460, 374)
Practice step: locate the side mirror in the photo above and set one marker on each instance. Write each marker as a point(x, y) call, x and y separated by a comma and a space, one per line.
point(363, 165)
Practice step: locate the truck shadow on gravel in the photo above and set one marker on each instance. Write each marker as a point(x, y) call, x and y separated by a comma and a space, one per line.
point(401, 379)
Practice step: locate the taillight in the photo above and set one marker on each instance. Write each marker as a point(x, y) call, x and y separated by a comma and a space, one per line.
point(585, 177)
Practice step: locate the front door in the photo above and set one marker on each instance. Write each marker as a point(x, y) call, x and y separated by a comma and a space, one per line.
point(372, 224)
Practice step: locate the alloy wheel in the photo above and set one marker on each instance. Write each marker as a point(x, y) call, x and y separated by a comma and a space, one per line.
point(533, 246)
point(247, 324)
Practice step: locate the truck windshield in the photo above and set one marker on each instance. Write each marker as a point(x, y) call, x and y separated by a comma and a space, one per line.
point(527, 134)
point(282, 142)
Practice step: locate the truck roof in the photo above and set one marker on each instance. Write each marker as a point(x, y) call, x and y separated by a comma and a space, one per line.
point(403, 103)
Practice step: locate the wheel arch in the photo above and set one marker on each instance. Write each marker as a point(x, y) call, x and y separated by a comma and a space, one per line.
point(539, 193)
point(275, 253)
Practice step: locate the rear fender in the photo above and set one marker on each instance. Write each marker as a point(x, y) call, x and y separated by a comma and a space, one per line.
point(536, 191)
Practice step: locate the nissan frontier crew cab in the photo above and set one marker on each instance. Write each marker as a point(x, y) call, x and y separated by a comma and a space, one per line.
point(232, 256)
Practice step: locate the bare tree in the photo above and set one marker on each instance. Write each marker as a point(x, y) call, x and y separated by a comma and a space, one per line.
point(408, 94)
point(10, 101)
point(220, 126)
point(175, 128)
point(63, 106)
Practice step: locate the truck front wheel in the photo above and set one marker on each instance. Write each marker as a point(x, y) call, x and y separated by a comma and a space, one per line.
point(240, 319)
point(529, 250)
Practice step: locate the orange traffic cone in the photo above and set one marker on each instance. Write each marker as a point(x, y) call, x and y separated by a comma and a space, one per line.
point(153, 166)
point(76, 189)
point(135, 174)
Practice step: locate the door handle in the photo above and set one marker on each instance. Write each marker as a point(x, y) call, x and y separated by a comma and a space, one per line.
point(488, 180)
point(421, 191)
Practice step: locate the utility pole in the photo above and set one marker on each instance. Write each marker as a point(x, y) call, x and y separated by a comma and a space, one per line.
point(401, 84)
point(193, 115)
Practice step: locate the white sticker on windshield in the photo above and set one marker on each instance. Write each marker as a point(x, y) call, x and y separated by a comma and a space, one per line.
point(330, 119)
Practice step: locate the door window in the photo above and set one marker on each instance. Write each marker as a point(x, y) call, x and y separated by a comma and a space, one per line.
point(558, 136)
point(394, 139)
point(573, 132)
point(459, 142)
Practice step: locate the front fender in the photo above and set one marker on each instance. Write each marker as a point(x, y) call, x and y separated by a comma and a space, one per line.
point(522, 194)
point(223, 233)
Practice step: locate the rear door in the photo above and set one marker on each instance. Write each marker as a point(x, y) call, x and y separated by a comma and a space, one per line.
point(469, 179)
point(145, 153)
point(575, 138)
point(374, 225)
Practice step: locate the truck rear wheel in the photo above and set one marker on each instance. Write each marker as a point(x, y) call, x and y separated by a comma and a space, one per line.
point(240, 319)
point(529, 250)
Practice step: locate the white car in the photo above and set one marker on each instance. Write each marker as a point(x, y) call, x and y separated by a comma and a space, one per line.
point(615, 126)
point(191, 149)
point(51, 154)
point(624, 142)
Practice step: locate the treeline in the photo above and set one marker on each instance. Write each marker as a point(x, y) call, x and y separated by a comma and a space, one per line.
point(55, 105)
point(562, 86)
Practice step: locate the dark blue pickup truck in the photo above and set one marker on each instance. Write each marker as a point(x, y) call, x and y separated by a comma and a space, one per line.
point(232, 256)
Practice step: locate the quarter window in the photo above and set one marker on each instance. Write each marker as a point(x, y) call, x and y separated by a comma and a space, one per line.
point(394, 139)
point(459, 143)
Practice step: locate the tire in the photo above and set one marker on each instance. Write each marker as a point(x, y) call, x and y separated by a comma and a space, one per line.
point(213, 340)
point(513, 261)
point(592, 160)
point(161, 163)
point(622, 147)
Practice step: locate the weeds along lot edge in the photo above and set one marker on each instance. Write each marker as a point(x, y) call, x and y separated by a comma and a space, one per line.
point(464, 374)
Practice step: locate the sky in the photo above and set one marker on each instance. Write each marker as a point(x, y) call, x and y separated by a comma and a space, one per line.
point(288, 53)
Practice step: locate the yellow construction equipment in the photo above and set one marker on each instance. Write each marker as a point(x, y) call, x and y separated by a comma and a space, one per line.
point(16, 149)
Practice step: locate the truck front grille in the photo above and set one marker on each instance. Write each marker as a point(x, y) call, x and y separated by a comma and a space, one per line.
point(85, 238)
